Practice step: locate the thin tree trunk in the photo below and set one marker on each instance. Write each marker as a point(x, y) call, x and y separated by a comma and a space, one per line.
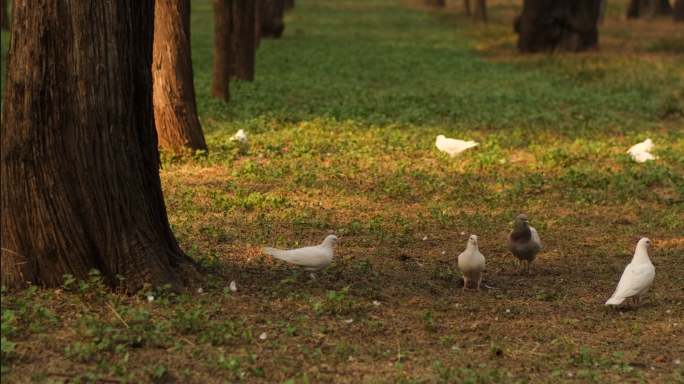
point(679, 10)
point(175, 107)
point(243, 39)
point(562, 25)
point(435, 3)
point(602, 11)
point(466, 7)
point(80, 164)
point(271, 18)
point(648, 8)
point(289, 4)
point(480, 11)
point(4, 16)
point(223, 20)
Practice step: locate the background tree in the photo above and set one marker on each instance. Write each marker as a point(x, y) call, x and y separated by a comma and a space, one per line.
point(80, 164)
point(679, 10)
point(563, 25)
point(435, 3)
point(223, 20)
point(466, 7)
point(271, 23)
point(175, 107)
point(289, 4)
point(648, 8)
point(243, 38)
point(4, 16)
point(480, 11)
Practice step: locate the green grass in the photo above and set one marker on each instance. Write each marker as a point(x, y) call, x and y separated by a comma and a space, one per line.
point(342, 119)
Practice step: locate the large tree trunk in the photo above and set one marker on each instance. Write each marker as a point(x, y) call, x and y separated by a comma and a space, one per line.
point(480, 11)
point(223, 21)
point(435, 3)
point(466, 7)
point(271, 18)
point(563, 25)
point(243, 39)
point(175, 107)
point(679, 10)
point(648, 8)
point(80, 164)
point(289, 4)
point(4, 20)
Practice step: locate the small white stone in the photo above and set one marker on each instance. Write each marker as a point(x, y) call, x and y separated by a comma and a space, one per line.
point(150, 298)
point(443, 252)
point(456, 305)
point(348, 321)
point(455, 348)
point(569, 374)
point(652, 368)
point(668, 311)
point(376, 303)
point(200, 290)
point(331, 132)
point(263, 336)
point(675, 324)
point(508, 311)
point(677, 362)
point(462, 233)
point(233, 286)
point(424, 238)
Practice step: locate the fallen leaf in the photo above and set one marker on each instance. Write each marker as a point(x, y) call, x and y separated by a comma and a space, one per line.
point(659, 358)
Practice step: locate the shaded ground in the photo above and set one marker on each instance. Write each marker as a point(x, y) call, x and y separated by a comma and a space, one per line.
point(342, 119)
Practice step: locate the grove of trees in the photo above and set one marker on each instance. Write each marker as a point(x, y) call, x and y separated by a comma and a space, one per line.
point(86, 108)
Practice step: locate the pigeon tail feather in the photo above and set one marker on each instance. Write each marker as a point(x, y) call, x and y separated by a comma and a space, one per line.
point(615, 300)
point(277, 253)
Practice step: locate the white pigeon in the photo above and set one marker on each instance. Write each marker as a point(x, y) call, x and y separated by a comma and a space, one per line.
point(240, 136)
point(471, 263)
point(640, 152)
point(310, 259)
point(453, 146)
point(637, 277)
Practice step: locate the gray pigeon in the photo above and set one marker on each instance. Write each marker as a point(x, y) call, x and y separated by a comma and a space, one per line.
point(523, 242)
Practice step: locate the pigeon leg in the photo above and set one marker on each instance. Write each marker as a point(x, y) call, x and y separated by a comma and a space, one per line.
point(478, 283)
point(519, 265)
point(465, 284)
point(529, 265)
point(312, 276)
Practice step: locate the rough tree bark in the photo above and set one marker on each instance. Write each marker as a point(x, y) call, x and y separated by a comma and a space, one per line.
point(466, 7)
point(563, 25)
point(289, 4)
point(175, 107)
point(271, 18)
point(243, 39)
point(223, 20)
point(80, 164)
point(435, 3)
point(480, 11)
point(648, 8)
point(4, 19)
point(679, 10)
